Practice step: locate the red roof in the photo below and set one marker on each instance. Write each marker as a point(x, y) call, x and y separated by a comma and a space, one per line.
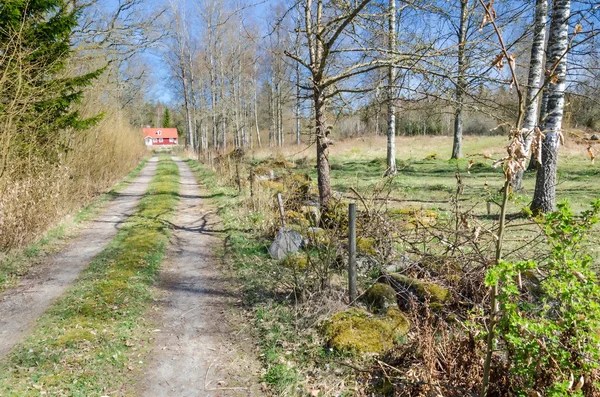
point(160, 132)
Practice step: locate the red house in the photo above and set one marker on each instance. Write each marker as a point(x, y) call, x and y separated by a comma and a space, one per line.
point(160, 136)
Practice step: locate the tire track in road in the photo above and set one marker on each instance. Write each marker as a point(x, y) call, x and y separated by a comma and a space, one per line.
point(194, 353)
point(22, 305)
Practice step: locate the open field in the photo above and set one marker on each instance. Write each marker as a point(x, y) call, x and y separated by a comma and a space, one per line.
point(427, 179)
point(412, 227)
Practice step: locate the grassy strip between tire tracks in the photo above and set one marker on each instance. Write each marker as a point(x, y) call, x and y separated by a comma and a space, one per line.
point(95, 336)
point(15, 265)
point(281, 347)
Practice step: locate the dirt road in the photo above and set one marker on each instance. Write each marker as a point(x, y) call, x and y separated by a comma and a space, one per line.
point(21, 306)
point(193, 353)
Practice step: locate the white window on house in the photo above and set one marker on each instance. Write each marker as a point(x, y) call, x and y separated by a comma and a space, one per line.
point(159, 132)
point(160, 140)
point(171, 140)
point(154, 140)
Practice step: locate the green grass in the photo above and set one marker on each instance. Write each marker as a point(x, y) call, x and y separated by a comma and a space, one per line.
point(429, 181)
point(288, 350)
point(88, 343)
point(16, 264)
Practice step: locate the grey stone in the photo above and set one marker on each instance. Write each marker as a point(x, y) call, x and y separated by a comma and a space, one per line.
point(286, 242)
point(311, 213)
point(595, 137)
point(401, 264)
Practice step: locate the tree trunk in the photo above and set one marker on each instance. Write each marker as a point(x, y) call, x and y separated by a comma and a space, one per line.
point(391, 132)
point(324, 180)
point(542, 118)
point(533, 82)
point(279, 116)
point(298, 127)
point(256, 113)
point(461, 81)
point(213, 101)
point(223, 108)
point(544, 198)
point(273, 114)
point(188, 112)
point(236, 109)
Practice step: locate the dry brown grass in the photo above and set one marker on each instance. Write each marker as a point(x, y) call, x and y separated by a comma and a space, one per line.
point(415, 147)
point(35, 193)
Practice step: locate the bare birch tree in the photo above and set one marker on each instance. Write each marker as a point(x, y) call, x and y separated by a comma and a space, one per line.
point(392, 92)
point(533, 82)
point(544, 198)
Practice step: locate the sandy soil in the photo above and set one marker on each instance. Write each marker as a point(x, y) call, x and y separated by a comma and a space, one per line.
point(196, 352)
point(22, 305)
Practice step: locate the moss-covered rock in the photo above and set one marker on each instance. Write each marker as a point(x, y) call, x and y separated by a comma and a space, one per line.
point(281, 162)
point(261, 170)
point(366, 246)
point(335, 217)
point(415, 216)
point(276, 186)
point(318, 237)
point(297, 218)
point(311, 213)
point(297, 261)
point(379, 297)
point(423, 290)
point(357, 331)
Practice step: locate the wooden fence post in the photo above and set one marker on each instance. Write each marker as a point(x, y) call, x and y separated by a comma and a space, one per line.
point(352, 252)
point(281, 211)
point(251, 181)
point(237, 176)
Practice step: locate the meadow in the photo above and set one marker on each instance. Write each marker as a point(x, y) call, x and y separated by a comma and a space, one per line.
point(427, 178)
point(422, 232)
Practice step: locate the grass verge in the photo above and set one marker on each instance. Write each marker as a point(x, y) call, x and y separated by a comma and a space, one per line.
point(16, 264)
point(96, 334)
point(292, 353)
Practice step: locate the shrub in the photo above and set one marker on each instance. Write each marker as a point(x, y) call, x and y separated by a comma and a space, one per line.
point(550, 332)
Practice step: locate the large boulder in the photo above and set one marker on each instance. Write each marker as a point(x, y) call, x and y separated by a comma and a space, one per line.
point(286, 242)
point(359, 332)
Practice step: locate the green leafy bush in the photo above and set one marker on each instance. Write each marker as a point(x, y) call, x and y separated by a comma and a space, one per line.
point(549, 325)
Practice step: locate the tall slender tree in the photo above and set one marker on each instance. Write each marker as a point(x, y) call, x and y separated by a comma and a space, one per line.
point(544, 197)
point(35, 41)
point(324, 37)
point(533, 81)
point(461, 83)
point(166, 118)
point(392, 96)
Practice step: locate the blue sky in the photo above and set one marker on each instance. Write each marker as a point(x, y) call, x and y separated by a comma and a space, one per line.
point(161, 89)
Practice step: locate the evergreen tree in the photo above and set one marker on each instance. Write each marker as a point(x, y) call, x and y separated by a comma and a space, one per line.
point(35, 37)
point(167, 118)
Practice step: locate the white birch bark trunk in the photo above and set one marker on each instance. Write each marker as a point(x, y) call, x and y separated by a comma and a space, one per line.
point(533, 82)
point(258, 142)
point(391, 131)
point(544, 198)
